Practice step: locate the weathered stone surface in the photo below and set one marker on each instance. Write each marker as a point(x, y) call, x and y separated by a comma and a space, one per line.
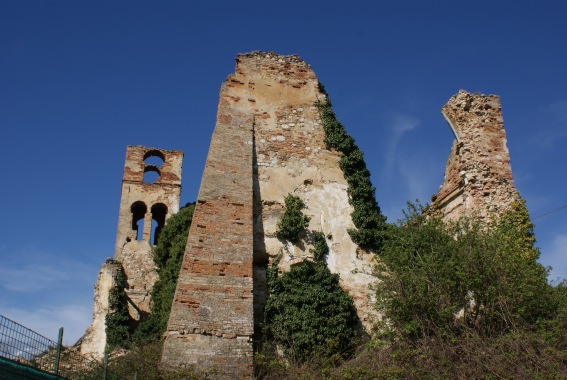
point(268, 142)
point(478, 176)
point(141, 203)
point(93, 342)
point(151, 202)
point(211, 321)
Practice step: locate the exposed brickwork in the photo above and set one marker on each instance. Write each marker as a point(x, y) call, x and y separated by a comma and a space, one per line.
point(211, 321)
point(478, 176)
point(268, 142)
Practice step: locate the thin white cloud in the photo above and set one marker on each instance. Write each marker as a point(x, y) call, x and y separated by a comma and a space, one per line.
point(46, 321)
point(400, 125)
point(35, 270)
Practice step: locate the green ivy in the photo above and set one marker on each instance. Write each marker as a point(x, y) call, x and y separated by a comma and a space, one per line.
point(168, 256)
point(308, 314)
point(293, 222)
point(118, 321)
point(320, 247)
point(369, 222)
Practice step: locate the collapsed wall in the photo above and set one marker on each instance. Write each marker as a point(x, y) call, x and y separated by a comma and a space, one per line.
point(268, 142)
point(478, 176)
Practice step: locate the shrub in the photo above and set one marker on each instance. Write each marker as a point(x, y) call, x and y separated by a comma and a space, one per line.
point(320, 247)
point(308, 314)
point(118, 321)
point(432, 271)
point(293, 222)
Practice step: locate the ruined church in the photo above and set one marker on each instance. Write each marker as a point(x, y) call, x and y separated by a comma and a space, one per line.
point(269, 142)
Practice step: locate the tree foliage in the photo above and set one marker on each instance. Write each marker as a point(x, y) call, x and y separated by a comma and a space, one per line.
point(447, 278)
point(118, 321)
point(168, 256)
point(320, 248)
point(293, 222)
point(308, 314)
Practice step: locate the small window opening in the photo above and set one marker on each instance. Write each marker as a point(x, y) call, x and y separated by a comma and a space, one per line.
point(154, 157)
point(159, 211)
point(138, 210)
point(151, 174)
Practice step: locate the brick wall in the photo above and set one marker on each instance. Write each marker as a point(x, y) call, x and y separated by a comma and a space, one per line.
point(211, 321)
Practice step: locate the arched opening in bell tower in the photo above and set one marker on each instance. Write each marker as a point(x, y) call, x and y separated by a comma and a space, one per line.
point(159, 212)
point(138, 210)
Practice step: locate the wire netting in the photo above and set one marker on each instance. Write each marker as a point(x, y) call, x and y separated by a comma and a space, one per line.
point(26, 347)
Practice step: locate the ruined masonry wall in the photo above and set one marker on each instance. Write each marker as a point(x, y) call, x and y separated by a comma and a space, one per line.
point(478, 177)
point(93, 342)
point(136, 256)
point(211, 321)
point(268, 142)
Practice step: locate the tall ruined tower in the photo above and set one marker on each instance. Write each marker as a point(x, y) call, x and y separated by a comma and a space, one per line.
point(268, 142)
point(478, 177)
point(151, 189)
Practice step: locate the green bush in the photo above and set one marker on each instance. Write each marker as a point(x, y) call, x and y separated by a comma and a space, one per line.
point(293, 222)
point(118, 321)
point(308, 314)
point(320, 247)
point(432, 271)
point(143, 363)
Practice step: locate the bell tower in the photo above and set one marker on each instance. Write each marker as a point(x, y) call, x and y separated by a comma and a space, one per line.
point(151, 189)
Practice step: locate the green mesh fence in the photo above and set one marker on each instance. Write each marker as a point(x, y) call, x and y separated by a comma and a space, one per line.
point(25, 354)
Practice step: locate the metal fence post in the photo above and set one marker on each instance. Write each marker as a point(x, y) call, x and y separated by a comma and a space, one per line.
point(58, 352)
point(105, 364)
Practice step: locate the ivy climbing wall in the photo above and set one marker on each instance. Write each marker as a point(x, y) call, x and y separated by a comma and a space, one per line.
point(268, 142)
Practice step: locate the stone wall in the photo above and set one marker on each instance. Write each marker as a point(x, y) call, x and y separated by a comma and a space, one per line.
point(150, 201)
point(93, 342)
point(268, 143)
point(478, 177)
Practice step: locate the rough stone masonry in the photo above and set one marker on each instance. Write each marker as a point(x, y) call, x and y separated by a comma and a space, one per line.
point(478, 177)
point(268, 142)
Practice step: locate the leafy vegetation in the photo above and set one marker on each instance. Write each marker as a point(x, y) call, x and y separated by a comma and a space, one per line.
point(308, 314)
point(118, 321)
point(320, 247)
point(369, 222)
point(432, 271)
point(168, 256)
point(142, 362)
point(460, 300)
point(293, 222)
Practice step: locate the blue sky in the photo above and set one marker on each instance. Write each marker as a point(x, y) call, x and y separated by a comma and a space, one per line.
point(81, 79)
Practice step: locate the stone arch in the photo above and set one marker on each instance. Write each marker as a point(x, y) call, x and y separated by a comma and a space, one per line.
point(159, 212)
point(151, 173)
point(154, 157)
point(138, 210)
